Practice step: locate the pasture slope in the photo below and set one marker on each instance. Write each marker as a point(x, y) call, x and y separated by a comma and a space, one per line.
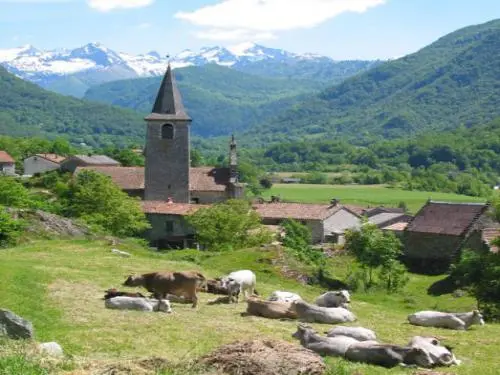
point(362, 195)
point(58, 285)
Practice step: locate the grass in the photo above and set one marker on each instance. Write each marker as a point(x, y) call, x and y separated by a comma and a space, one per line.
point(58, 285)
point(362, 195)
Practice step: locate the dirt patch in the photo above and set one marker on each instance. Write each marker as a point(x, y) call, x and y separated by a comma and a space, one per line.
point(144, 366)
point(265, 357)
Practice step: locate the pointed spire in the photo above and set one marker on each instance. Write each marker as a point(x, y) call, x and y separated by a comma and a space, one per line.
point(168, 102)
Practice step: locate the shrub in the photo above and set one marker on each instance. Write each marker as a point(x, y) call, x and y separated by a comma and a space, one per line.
point(298, 240)
point(10, 228)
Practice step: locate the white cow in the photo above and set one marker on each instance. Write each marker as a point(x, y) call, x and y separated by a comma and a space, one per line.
point(330, 315)
point(358, 333)
point(137, 303)
point(280, 296)
point(331, 346)
point(336, 298)
point(239, 282)
point(441, 355)
point(458, 321)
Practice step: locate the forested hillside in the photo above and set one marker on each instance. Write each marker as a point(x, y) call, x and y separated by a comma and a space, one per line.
point(28, 110)
point(220, 100)
point(451, 82)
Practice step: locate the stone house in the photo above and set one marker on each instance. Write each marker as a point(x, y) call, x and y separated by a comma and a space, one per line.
point(7, 164)
point(41, 163)
point(327, 222)
point(169, 228)
point(434, 238)
point(71, 163)
point(129, 179)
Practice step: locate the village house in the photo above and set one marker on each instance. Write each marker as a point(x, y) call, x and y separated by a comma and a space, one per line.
point(7, 164)
point(41, 163)
point(71, 163)
point(434, 238)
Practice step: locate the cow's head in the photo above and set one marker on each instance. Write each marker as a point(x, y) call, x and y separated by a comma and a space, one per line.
point(477, 318)
point(164, 305)
point(419, 357)
point(133, 280)
point(303, 330)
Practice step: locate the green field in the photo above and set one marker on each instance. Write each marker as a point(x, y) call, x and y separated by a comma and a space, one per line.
point(58, 285)
point(362, 195)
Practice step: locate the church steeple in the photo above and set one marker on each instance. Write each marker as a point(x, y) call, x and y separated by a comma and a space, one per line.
point(168, 103)
point(233, 161)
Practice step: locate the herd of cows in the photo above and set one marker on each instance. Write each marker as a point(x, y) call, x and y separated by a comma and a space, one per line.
point(352, 343)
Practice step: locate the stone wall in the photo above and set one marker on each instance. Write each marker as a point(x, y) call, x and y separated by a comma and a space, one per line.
point(159, 232)
point(339, 222)
point(8, 169)
point(37, 164)
point(209, 197)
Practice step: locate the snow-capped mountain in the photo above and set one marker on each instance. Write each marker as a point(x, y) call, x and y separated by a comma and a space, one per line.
point(73, 71)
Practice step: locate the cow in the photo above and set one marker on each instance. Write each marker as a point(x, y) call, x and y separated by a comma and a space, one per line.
point(387, 355)
point(163, 283)
point(358, 333)
point(331, 346)
point(330, 315)
point(270, 309)
point(280, 296)
point(457, 321)
point(441, 355)
point(239, 283)
point(110, 293)
point(137, 303)
point(337, 298)
point(214, 287)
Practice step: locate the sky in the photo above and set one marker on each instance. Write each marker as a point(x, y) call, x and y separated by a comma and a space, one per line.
point(342, 29)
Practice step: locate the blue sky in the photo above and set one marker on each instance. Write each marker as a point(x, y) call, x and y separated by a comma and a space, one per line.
point(342, 29)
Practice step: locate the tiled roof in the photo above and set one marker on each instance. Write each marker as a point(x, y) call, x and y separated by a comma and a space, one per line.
point(355, 209)
point(132, 178)
point(446, 218)
point(208, 179)
point(397, 227)
point(52, 157)
point(384, 217)
point(297, 211)
point(6, 158)
point(127, 178)
point(166, 208)
point(96, 159)
point(488, 235)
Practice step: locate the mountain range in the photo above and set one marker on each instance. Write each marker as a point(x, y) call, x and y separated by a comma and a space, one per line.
point(74, 71)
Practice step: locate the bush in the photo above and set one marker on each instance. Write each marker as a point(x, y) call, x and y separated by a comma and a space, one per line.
point(298, 240)
point(10, 229)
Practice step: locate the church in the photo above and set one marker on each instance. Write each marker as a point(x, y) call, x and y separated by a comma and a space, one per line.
point(172, 188)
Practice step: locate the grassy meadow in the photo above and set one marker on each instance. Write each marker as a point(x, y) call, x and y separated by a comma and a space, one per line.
point(362, 195)
point(58, 285)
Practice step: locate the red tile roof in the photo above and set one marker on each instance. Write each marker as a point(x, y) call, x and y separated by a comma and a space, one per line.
point(166, 208)
point(6, 158)
point(488, 235)
point(397, 227)
point(52, 157)
point(297, 211)
point(132, 178)
point(446, 218)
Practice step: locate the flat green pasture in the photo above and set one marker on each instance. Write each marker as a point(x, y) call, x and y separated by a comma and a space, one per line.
point(59, 286)
point(362, 195)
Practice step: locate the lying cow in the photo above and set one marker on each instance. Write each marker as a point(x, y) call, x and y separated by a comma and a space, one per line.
point(137, 303)
point(338, 298)
point(239, 283)
point(330, 315)
point(458, 321)
point(110, 293)
point(270, 309)
point(387, 355)
point(331, 346)
point(358, 333)
point(280, 296)
point(163, 283)
point(441, 355)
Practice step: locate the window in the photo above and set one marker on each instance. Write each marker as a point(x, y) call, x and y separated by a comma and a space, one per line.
point(167, 131)
point(169, 226)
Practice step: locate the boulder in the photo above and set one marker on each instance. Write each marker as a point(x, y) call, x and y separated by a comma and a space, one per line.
point(52, 349)
point(265, 357)
point(15, 327)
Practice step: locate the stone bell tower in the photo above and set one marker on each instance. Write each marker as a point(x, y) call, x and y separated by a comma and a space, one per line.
point(167, 146)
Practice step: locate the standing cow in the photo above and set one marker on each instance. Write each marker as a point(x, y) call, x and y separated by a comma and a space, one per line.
point(239, 282)
point(163, 283)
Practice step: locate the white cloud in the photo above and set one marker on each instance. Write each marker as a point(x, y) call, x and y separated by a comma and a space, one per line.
point(234, 35)
point(145, 25)
point(230, 17)
point(107, 5)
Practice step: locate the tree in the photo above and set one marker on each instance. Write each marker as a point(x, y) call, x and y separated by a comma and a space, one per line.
point(10, 228)
point(228, 225)
point(374, 250)
point(98, 201)
point(298, 240)
point(13, 193)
